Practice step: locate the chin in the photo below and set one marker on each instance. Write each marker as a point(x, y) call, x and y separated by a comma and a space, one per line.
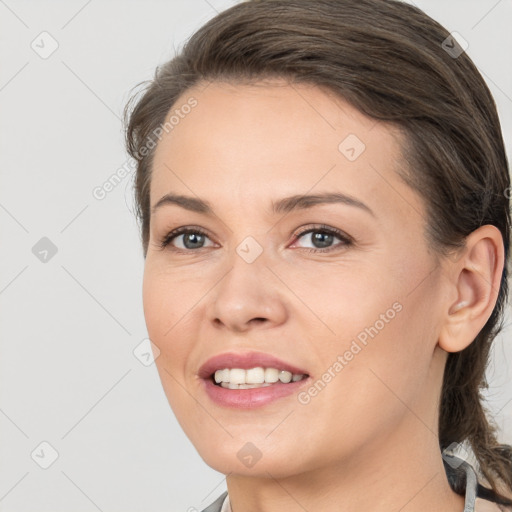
point(245, 458)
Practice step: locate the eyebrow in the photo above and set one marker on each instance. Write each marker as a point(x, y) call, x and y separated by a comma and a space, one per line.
point(284, 205)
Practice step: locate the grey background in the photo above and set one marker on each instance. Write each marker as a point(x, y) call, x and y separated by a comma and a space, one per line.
point(69, 326)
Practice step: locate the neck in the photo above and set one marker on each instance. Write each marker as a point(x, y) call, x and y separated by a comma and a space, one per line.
point(389, 475)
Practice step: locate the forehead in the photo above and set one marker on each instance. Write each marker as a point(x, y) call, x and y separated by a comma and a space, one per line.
point(273, 112)
point(270, 137)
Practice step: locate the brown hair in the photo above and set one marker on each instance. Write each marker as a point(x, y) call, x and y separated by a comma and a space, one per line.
point(387, 59)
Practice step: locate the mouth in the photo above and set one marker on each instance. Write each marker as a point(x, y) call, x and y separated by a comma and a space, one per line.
point(250, 380)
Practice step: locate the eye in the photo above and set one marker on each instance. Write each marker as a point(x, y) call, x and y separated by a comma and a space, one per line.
point(192, 238)
point(322, 238)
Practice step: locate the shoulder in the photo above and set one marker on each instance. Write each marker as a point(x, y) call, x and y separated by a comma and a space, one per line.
point(482, 505)
point(216, 506)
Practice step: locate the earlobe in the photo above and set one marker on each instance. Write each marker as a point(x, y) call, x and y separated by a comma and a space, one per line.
point(475, 279)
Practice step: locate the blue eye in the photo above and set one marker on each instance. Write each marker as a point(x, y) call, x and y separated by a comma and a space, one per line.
point(194, 238)
point(323, 237)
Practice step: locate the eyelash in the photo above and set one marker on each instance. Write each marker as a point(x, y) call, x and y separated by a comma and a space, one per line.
point(347, 241)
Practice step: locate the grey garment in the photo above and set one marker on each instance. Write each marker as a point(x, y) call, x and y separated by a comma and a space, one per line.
point(452, 463)
point(216, 506)
point(471, 483)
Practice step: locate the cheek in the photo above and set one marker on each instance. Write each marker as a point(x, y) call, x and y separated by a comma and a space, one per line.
point(154, 301)
point(173, 302)
point(342, 301)
point(378, 380)
point(395, 341)
point(163, 308)
point(169, 298)
point(165, 314)
point(381, 321)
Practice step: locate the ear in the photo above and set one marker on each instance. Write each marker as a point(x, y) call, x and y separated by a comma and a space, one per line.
point(474, 281)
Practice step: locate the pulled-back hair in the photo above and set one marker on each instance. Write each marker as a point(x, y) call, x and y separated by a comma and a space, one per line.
point(395, 64)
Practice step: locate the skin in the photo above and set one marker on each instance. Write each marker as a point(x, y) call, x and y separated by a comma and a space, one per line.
point(367, 440)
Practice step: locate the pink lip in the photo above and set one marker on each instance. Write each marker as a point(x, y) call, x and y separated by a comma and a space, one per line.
point(248, 398)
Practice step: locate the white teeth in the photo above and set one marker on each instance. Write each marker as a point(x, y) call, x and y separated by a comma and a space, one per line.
point(238, 378)
point(243, 386)
point(255, 376)
point(285, 376)
point(271, 375)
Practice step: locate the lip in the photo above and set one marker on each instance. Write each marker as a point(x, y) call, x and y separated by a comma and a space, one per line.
point(251, 398)
point(254, 397)
point(245, 361)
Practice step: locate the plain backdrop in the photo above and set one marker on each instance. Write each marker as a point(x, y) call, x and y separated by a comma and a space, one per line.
point(75, 394)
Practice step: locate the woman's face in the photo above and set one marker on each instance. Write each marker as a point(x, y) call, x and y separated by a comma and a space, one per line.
point(359, 317)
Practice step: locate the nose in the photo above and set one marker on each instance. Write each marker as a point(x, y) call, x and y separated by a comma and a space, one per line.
point(248, 296)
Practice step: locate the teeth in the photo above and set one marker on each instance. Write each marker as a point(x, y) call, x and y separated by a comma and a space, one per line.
point(238, 378)
point(255, 376)
point(285, 376)
point(228, 385)
point(271, 375)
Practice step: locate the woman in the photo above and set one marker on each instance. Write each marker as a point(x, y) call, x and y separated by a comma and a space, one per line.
point(323, 195)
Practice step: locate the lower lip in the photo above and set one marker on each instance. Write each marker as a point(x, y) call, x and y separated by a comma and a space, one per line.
point(250, 398)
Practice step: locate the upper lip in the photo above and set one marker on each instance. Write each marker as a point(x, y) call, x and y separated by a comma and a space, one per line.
point(245, 361)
